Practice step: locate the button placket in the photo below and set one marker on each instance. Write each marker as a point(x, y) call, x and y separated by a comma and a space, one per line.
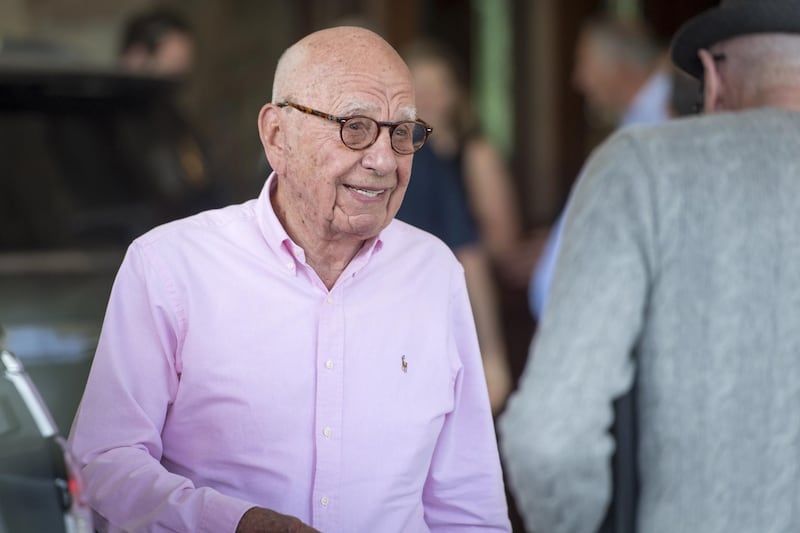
point(329, 404)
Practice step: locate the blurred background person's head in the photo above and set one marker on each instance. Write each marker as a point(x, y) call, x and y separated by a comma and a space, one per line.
point(158, 42)
point(440, 86)
point(613, 61)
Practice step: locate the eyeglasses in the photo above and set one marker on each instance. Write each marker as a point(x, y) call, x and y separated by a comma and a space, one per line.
point(359, 132)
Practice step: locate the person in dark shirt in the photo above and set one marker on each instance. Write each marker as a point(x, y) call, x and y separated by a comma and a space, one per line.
point(460, 191)
point(161, 43)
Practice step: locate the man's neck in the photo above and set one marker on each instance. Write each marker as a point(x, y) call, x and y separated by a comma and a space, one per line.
point(330, 258)
point(778, 97)
point(327, 256)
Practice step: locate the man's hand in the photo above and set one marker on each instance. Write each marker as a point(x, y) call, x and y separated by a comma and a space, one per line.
point(260, 520)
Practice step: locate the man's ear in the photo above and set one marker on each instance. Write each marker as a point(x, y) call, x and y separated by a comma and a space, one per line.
point(272, 135)
point(712, 84)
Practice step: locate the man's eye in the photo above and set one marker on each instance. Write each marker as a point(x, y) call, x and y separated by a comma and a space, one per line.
point(402, 130)
point(357, 125)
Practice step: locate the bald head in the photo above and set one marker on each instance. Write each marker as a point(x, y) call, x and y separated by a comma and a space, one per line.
point(316, 63)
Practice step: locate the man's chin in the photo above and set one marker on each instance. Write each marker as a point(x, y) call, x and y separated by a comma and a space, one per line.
point(364, 226)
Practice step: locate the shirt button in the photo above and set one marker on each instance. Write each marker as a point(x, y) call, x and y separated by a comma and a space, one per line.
point(329, 300)
point(290, 266)
point(324, 501)
point(327, 432)
point(329, 364)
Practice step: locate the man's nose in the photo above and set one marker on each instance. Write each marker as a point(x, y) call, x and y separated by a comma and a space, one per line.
point(380, 157)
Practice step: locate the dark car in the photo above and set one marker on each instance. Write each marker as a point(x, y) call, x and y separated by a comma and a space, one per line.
point(90, 158)
point(52, 307)
point(82, 157)
point(41, 488)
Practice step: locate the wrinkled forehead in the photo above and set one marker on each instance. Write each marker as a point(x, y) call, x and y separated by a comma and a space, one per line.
point(376, 70)
point(352, 105)
point(360, 88)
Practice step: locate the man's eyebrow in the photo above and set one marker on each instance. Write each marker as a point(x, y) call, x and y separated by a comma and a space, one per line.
point(405, 113)
point(358, 109)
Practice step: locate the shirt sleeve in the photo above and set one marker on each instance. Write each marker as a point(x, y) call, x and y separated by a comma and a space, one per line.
point(464, 490)
point(116, 435)
point(555, 433)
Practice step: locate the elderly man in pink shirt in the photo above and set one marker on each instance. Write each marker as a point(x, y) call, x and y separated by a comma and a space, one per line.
point(300, 362)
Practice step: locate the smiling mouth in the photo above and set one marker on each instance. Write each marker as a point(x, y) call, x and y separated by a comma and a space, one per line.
point(365, 192)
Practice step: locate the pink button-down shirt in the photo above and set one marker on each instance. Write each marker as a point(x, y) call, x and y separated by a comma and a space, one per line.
point(228, 376)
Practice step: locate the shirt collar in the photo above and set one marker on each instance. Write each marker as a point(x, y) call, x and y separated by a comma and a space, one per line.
point(285, 248)
point(652, 101)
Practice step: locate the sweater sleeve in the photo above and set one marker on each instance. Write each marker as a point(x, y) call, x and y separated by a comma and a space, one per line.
point(555, 432)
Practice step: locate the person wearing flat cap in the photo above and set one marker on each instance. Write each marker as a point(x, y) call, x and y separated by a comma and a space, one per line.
point(679, 273)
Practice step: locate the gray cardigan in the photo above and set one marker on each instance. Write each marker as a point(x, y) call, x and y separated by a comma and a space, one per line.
point(681, 264)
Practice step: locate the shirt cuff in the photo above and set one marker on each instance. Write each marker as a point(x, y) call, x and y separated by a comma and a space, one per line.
point(222, 513)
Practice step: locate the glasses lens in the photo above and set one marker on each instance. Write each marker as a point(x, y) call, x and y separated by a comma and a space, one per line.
point(419, 134)
point(359, 132)
point(408, 137)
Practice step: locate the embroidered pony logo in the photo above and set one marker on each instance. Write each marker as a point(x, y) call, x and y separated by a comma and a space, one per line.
point(404, 364)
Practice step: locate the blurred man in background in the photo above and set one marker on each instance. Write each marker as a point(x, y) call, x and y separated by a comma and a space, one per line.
point(159, 42)
point(680, 270)
point(619, 70)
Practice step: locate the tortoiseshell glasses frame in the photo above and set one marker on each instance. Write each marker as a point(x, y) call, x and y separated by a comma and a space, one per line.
point(359, 132)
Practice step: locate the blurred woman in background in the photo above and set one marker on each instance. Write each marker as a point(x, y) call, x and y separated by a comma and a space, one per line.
point(461, 192)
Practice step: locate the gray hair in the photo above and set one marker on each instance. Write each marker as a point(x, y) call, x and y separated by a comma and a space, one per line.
point(629, 41)
point(764, 61)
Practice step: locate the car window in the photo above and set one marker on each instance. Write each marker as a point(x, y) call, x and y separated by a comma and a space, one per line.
point(85, 159)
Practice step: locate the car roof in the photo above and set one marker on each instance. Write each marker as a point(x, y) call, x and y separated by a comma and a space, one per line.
point(40, 72)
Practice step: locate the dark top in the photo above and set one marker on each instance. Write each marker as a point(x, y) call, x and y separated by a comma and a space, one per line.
point(436, 199)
